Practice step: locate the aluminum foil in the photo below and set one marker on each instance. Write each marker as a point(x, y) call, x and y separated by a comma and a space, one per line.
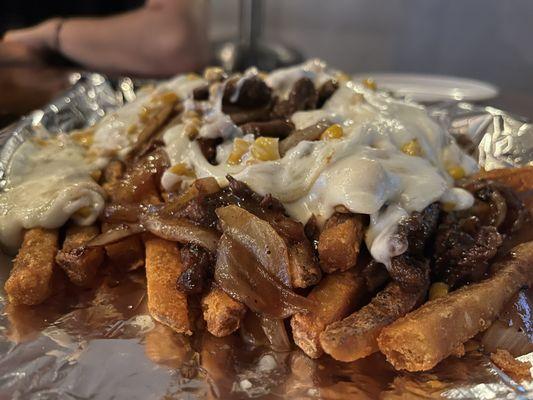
point(102, 344)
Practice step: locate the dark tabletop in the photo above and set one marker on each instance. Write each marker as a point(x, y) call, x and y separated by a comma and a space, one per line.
point(28, 85)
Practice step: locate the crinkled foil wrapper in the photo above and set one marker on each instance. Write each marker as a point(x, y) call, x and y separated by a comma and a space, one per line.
point(102, 344)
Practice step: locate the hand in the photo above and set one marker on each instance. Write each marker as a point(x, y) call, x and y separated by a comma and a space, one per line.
point(17, 54)
point(41, 38)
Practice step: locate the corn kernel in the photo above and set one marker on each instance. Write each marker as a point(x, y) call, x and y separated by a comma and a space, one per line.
point(83, 138)
point(370, 84)
point(456, 172)
point(342, 77)
point(183, 170)
point(83, 212)
point(265, 149)
point(214, 74)
point(438, 289)
point(240, 147)
point(412, 148)
point(448, 207)
point(132, 129)
point(193, 76)
point(191, 127)
point(332, 132)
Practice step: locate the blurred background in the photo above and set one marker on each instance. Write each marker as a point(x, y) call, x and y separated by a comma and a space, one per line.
point(489, 40)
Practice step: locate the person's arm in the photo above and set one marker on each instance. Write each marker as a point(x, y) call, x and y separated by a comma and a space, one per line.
point(161, 38)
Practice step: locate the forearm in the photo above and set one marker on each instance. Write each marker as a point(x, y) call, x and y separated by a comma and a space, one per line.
point(149, 41)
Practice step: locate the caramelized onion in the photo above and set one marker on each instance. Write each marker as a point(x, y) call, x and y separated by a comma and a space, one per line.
point(276, 334)
point(180, 230)
point(505, 337)
point(312, 132)
point(114, 235)
point(241, 276)
point(259, 238)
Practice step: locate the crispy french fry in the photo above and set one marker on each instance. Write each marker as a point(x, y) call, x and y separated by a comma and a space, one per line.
point(31, 279)
point(339, 242)
point(355, 337)
point(337, 295)
point(303, 267)
point(112, 173)
point(80, 263)
point(126, 254)
point(429, 334)
point(163, 267)
point(222, 314)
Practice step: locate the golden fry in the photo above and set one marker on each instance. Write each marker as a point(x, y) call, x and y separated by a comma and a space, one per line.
point(355, 337)
point(222, 314)
point(339, 242)
point(31, 279)
point(303, 267)
point(423, 338)
point(80, 263)
point(165, 303)
point(337, 294)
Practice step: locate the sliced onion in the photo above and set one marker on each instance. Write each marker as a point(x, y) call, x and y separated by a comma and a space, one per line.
point(504, 337)
point(116, 234)
point(276, 333)
point(122, 212)
point(180, 230)
point(241, 276)
point(259, 238)
point(310, 133)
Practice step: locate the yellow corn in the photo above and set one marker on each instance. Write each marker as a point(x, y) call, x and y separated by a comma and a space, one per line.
point(240, 147)
point(332, 132)
point(265, 149)
point(342, 77)
point(438, 289)
point(412, 148)
point(456, 172)
point(83, 212)
point(370, 83)
point(132, 129)
point(83, 138)
point(183, 170)
point(213, 74)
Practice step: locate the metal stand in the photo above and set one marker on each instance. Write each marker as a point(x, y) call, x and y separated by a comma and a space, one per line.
point(250, 50)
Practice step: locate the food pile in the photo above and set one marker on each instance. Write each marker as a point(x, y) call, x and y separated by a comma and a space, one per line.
point(316, 207)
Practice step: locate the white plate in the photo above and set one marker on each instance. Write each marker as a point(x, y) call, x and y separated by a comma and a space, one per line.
point(429, 88)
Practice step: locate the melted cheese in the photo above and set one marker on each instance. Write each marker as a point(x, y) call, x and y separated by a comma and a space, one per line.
point(49, 179)
point(366, 170)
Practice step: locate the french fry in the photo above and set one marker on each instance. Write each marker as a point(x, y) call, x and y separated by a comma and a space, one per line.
point(423, 338)
point(112, 173)
point(126, 254)
point(355, 337)
point(222, 314)
point(32, 277)
point(80, 263)
point(165, 303)
point(303, 266)
point(339, 242)
point(337, 295)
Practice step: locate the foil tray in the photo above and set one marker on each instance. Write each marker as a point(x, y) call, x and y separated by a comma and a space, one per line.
point(102, 344)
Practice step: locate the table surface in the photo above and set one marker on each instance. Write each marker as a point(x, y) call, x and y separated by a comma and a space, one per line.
point(24, 88)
